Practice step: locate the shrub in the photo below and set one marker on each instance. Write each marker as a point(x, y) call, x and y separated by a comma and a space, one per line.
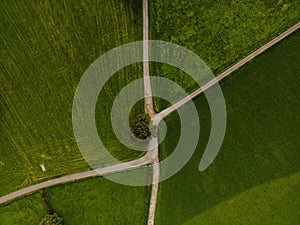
point(51, 220)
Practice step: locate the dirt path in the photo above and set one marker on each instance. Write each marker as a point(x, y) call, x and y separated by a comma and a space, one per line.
point(147, 84)
point(77, 176)
point(153, 144)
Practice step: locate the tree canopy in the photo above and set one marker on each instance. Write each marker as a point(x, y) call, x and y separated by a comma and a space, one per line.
point(140, 126)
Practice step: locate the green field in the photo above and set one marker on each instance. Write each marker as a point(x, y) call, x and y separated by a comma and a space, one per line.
point(261, 142)
point(276, 202)
point(28, 210)
point(45, 47)
point(90, 201)
point(220, 32)
point(99, 201)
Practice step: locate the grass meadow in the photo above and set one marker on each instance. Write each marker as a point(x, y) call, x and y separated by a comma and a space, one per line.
point(220, 32)
point(45, 47)
point(99, 201)
point(28, 210)
point(261, 145)
point(90, 201)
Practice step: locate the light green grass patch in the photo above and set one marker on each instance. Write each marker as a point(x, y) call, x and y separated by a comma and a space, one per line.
point(28, 210)
point(99, 201)
point(90, 201)
point(220, 32)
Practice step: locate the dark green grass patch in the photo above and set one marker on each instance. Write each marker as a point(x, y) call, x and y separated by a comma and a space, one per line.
point(45, 47)
point(103, 111)
point(261, 142)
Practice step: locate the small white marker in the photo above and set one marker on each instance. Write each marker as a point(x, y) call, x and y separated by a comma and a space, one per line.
point(43, 167)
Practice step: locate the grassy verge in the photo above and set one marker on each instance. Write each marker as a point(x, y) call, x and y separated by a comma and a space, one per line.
point(45, 48)
point(261, 142)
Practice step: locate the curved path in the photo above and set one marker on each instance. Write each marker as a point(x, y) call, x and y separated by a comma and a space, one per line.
point(146, 159)
point(149, 158)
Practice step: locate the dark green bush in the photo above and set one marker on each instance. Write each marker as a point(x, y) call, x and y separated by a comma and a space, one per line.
point(140, 126)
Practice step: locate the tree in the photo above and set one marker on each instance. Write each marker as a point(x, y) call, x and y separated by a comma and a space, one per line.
point(51, 220)
point(140, 126)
